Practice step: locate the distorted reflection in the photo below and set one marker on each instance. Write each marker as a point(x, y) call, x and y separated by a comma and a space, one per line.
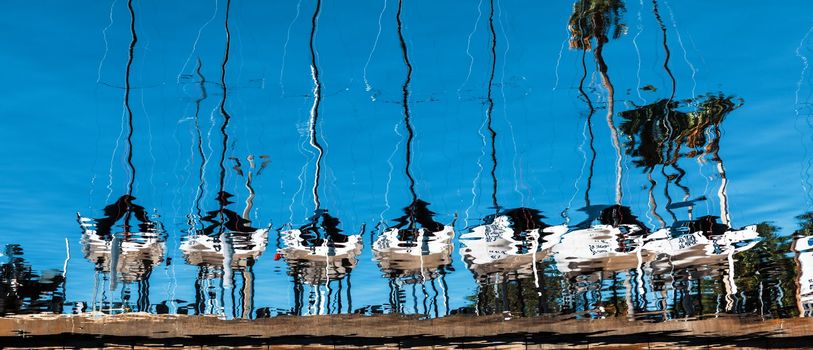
point(416, 250)
point(606, 240)
point(124, 246)
point(225, 246)
point(23, 291)
point(318, 254)
point(661, 134)
point(646, 229)
point(509, 246)
point(507, 257)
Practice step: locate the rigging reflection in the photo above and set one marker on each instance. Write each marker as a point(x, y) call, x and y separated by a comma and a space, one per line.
point(417, 249)
point(317, 253)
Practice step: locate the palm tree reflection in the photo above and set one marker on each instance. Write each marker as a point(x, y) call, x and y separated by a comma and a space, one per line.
point(662, 133)
point(598, 21)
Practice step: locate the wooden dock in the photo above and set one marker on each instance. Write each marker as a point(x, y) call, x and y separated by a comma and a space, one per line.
point(384, 332)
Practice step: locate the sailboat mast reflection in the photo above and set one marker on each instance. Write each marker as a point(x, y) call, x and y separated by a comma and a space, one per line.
point(130, 254)
point(510, 244)
point(226, 242)
point(317, 253)
point(417, 249)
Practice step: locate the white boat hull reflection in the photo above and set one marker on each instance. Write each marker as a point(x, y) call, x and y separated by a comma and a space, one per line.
point(416, 260)
point(127, 256)
point(319, 264)
point(494, 252)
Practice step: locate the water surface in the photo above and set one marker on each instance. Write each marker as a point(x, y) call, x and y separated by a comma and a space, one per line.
point(246, 159)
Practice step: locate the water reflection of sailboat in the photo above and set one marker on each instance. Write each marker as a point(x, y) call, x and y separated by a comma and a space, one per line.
point(228, 242)
point(417, 248)
point(127, 252)
point(223, 242)
point(704, 233)
point(318, 253)
point(128, 255)
point(609, 239)
point(609, 244)
point(227, 245)
point(507, 256)
point(416, 252)
point(509, 246)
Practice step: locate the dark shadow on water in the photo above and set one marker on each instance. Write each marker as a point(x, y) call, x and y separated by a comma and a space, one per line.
point(666, 338)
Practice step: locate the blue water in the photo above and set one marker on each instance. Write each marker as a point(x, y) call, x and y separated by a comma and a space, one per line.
point(188, 103)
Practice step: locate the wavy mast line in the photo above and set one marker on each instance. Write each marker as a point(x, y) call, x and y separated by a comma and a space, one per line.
point(106, 43)
point(314, 141)
point(589, 124)
point(490, 110)
point(314, 113)
point(224, 113)
point(675, 166)
point(667, 52)
point(227, 282)
point(390, 168)
point(682, 47)
point(640, 27)
point(405, 102)
point(805, 172)
point(127, 72)
point(203, 160)
point(516, 162)
point(468, 48)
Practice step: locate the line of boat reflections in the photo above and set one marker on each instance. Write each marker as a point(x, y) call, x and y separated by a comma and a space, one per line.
point(609, 264)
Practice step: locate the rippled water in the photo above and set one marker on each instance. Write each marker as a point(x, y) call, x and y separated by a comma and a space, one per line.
point(248, 159)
